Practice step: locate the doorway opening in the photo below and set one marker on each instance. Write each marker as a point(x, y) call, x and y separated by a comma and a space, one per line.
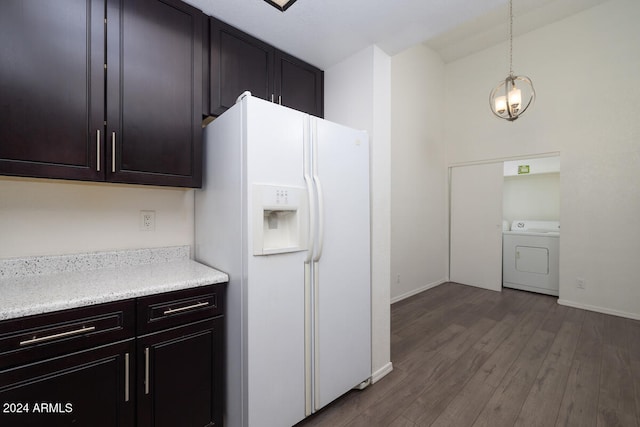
point(484, 199)
point(531, 225)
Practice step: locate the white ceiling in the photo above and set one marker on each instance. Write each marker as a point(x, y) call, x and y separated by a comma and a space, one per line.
point(324, 32)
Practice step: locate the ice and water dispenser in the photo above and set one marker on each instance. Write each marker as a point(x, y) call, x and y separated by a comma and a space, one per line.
point(279, 219)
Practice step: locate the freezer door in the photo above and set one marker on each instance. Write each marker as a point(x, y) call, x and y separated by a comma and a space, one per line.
point(274, 292)
point(342, 282)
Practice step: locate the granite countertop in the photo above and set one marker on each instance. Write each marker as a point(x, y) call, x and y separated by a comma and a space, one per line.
point(38, 285)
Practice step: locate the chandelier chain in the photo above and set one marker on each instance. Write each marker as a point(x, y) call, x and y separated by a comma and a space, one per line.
point(511, 38)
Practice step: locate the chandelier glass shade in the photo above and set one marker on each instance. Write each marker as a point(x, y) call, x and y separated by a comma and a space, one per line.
point(512, 96)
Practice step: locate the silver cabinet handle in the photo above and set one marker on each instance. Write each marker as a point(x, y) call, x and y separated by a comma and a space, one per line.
point(272, 98)
point(126, 377)
point(146, 370)
point(98, 150)
point(113, 151)
point(189, 307)
point(35, 340)
point(280, 99)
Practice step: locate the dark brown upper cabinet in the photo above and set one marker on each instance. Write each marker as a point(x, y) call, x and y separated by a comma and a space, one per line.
point(51, 88)
point(154, 92)
point(299, 85)
point(240, 62)
point(75, 105)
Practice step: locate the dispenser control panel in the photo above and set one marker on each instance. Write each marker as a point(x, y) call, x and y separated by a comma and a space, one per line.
point(282, 196)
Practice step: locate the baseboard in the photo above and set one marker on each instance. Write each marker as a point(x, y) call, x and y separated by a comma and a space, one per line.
point(598, 309)
point(417, 291)
point(382, 372)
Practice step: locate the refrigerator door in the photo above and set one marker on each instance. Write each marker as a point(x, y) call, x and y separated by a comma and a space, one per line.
point(342, 278)
point(274, 352)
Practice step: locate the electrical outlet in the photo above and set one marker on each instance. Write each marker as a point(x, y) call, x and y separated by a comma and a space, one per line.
point(147, 220)
point(580, 283)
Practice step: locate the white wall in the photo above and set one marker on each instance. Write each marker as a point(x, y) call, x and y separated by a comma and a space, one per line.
point(51, 217)
point(585, 71)
point(357, 94)
point(533, 197)
point(419, 235)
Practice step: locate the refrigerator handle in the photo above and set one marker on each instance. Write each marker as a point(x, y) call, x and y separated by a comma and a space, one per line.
point(318, 252)
point(312, 217)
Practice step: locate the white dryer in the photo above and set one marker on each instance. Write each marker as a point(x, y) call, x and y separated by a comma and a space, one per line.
point(531, 256)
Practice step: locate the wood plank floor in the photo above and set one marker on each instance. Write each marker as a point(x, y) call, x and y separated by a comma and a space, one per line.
point(464, 356)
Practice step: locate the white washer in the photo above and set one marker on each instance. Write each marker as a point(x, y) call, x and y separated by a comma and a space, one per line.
point(531, 255)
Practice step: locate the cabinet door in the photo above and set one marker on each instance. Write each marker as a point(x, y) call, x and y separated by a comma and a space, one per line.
point(180, 376)
point(89, 388)
point(51, 88)
point(239, 63)
point(299, 85)
point(154, 92)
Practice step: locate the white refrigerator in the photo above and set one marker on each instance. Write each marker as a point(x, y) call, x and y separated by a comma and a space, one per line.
point(284, 210)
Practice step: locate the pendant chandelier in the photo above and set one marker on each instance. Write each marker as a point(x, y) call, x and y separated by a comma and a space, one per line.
point(511, 97)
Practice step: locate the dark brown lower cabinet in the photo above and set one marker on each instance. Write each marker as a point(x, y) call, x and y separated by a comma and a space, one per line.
point(154, 361)
point(86, 388)
point(178, 376)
